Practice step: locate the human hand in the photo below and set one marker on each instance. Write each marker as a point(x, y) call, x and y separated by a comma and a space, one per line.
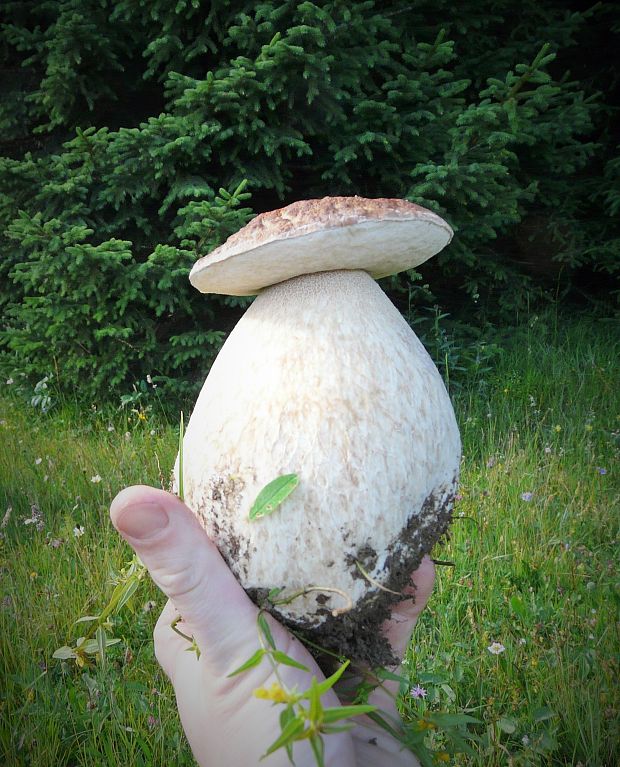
point(224, 722)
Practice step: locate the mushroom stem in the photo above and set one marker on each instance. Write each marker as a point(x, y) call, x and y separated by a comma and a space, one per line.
point(323, 378)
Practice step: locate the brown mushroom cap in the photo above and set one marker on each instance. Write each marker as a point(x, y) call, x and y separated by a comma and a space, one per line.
point(379, 236)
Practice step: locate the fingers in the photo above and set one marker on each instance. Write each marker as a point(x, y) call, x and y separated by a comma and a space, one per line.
point(188, 568)
point(399, 626)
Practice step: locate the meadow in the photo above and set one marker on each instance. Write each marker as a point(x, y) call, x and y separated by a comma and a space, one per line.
point(521, 632)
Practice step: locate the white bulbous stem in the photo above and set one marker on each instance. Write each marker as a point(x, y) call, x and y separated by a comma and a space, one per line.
point(321, 377)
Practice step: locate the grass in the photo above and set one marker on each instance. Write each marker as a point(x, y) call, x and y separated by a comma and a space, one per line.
point(534, 547)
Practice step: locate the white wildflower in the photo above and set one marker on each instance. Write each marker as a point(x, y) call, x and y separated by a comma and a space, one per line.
point(496, 648)
point(6, 517)
point(36, 517)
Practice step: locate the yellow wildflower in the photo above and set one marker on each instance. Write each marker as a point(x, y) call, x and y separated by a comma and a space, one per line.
point(442, 756)
point(424, 724)
point(276, 693)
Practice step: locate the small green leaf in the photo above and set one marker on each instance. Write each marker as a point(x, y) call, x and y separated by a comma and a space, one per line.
point(126, 592)
point(430, 678)
point(290, 733)
point(64, 653)
point(451, 720)
point(316, 742)
point(101, 637)
point(542, 714)
point(89, 646)
point(286, 716)
point(459, 743)
point(331, 715)
point(263, 627)
point(272, 495)
point(194, 648)
point(315, 701)
point(331, 680)
point(87, 618)
point(449, 692)
point(250, 663)
point(285, 660)
point(383, 673)
point(545, 742)
point(518, 607)
point(384, 724)
point(507, 725)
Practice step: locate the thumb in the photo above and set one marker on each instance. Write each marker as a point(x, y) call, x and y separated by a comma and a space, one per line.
point(186, 565)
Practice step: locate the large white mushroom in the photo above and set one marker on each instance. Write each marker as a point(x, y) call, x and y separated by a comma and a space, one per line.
point(322, 377)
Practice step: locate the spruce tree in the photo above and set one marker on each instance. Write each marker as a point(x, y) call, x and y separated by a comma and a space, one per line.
point(136, 136)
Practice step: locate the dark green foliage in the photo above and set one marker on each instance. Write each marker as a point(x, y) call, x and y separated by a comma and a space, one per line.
point(124, 123)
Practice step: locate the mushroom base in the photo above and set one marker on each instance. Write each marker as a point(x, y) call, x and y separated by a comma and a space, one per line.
point(357, 634)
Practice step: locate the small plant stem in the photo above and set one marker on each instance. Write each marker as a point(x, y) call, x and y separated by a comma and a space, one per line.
point(107, 611)
point(309, 589)
point(192, 641)
point(173, 626)
point(374, 582)
point(306, 641)
point(266, 646)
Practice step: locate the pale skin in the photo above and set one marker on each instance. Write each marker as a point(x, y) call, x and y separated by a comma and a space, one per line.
point(224, 722)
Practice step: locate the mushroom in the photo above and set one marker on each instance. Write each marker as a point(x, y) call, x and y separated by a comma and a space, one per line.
point(322, 377)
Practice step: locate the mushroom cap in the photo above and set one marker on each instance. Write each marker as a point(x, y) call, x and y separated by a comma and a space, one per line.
point(379, 236)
